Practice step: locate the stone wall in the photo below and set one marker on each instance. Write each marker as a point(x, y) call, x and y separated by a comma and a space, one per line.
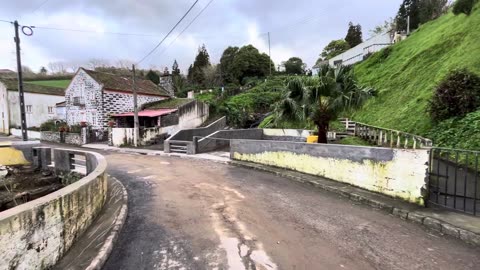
point(57, 137)
point(398, 173)
point(35, 235)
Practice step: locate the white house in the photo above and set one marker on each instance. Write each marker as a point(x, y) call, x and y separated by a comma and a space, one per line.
point(93, 97)
point(61, 111)
point(39, 104)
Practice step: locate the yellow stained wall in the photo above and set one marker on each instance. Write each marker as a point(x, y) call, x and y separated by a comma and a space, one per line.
point(402, 177)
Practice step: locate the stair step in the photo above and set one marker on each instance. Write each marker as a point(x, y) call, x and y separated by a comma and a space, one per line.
point(178, 151)
point(178, 147)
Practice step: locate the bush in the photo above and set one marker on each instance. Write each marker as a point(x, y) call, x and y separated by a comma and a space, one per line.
point(456, 96)
point(49, 125)
point(462, 133)
point(463, 6)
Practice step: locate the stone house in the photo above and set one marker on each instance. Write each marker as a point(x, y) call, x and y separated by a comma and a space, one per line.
point(39, 104)
point(92, 97)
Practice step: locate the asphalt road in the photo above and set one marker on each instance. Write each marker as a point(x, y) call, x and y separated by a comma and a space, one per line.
point(194, 214)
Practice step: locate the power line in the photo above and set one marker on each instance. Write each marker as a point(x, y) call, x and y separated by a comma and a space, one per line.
point(95, 32)
point(41, 5)
point(175, 26)
point(184, 29)
point(6, 21)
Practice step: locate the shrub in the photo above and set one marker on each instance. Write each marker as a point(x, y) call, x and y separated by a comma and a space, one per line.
point(456, 132)
point(456, 96)
point(463, 6)
point(49, 125)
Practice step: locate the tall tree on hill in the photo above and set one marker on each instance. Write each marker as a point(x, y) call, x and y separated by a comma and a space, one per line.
point(249, 62)
point(175, 69)
point(354, 35)
point(153, 76)
point(409, 8)
point(43, 71)
point(226, 64)
point(334, 48)
point(294, 65)
point(202, 60)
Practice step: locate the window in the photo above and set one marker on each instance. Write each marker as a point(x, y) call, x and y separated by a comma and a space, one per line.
point(28, 109)
point(50, 110)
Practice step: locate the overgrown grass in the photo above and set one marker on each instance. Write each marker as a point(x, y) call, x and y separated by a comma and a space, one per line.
point(407, 73)
point(354, 141)
point(52, 83)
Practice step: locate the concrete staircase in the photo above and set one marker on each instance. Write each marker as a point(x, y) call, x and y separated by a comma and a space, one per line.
point(176, 147)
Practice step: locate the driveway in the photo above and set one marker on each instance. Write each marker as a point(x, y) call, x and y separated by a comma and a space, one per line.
point(195, 214)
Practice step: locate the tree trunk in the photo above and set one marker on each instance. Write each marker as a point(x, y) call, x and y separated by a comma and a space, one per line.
point(322, 132)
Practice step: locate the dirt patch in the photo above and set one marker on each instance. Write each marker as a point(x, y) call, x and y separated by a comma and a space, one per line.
point(21, 184)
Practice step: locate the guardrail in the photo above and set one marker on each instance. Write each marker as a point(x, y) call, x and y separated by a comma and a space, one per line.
point(390, 137)
point(36, 234)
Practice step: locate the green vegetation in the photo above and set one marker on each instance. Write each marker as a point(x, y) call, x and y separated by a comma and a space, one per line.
point(51, 83)
point(462, 133)
point(456, 96)
point(172, 103)
point(354, 141)
point(463, 6)
point(407, 73)
point(320, 99)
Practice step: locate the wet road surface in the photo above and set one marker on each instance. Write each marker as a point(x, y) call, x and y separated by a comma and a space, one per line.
point(194, 214)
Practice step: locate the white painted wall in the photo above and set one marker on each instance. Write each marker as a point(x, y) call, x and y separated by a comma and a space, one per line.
point(39, 112)
point(61, 113)
point(356, 53)
point(30, 133)
point(4, 114)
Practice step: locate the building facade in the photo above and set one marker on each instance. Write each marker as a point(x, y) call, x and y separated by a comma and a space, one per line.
point(92, 97)
point(39, 104)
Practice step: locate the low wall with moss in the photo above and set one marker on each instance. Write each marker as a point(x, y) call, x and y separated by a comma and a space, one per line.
point(35, 235)
point(399, 173)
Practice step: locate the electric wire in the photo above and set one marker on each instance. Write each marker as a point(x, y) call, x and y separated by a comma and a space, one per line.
point(184, 29)
point(41, 5)
point(168, 34)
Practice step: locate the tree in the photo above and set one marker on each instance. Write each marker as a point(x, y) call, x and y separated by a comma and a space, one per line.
point(202, 60)
point(354, 35)
point(95, 63)
point(153, 76)
point(43, 71)
point(212, 75)
point(463, 6)
point(124, 64)
point(334, 48)
point(226, 64)
point(294, 65)
point(175, 69)
point(249, 62)
point(431, 9)
point(321, 99)
point(409, 8)
point(57, 67)
point(383, 28)
point(27, 70)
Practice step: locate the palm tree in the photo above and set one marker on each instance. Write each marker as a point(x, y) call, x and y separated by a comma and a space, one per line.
point(321, 99)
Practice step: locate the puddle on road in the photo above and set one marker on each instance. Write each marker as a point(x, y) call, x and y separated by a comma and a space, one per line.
point(243, 251)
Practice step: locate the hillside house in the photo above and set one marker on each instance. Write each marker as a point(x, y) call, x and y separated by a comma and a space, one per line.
point(159, 120)
point(39, 104)
point(93, 97)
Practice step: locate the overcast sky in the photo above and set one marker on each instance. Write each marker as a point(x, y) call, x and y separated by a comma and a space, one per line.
point(298, 28)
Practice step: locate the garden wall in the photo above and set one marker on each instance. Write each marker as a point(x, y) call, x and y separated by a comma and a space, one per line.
point(58, 137)
point(30, 133)
point(35, 235)
point(398, 173)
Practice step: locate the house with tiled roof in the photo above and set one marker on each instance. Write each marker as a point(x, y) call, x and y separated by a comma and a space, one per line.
point(93, 97)
point(40, 103)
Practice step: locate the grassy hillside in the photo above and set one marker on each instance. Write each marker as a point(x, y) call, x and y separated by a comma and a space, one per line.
point(407, 73)
point(52, 83)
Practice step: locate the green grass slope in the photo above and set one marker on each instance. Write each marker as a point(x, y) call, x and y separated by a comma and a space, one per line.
point(52, 83)
point(407, 73)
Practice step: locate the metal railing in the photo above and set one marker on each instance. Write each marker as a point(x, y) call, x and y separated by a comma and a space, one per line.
point(454, 179)
point(390, 137)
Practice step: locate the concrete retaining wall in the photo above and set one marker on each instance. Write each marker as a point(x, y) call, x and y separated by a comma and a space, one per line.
point(35, 235)
point(395, 172)
point(220, 139)
point(294, 135)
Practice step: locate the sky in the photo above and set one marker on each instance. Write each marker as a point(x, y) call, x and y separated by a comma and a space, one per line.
point(300, 28)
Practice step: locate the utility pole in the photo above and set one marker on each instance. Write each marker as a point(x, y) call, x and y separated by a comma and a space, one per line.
point(408, 25)
point(136, 132)
point(269, 53)
point(20, 85)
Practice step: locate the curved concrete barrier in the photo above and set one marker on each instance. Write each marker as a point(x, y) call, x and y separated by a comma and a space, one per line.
point(35, 235)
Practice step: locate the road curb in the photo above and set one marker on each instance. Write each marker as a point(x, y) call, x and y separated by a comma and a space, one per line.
point(438, 225)
point(105, 251)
